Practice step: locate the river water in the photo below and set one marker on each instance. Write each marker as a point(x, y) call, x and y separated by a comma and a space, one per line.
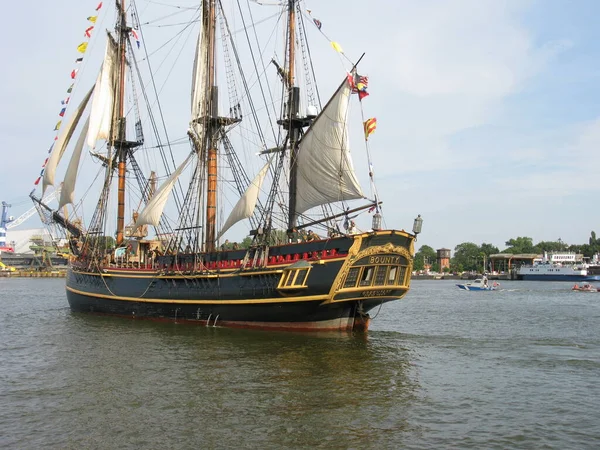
point(443, 368)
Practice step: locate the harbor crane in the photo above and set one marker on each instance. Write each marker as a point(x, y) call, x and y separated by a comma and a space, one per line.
point(7, 222)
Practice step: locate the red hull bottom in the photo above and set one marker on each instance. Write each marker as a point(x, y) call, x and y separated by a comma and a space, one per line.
point(358, 324)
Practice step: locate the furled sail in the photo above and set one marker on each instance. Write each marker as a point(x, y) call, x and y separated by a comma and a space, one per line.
point(68, 189)
point(199, 77)
point(102, 105)
point(151, 214)
point(325, 173)
point(244, 208)
point(62, 142)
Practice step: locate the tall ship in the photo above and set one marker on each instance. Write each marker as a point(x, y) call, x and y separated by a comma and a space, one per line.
point(269, 158)
point(561, 266)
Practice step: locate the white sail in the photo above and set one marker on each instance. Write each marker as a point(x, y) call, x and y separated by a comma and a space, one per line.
point(325, 173)
point(199, 77)
point(151, 214)
point(68, 189)
point(62, 142)
point(244, 208)
point(102, 105)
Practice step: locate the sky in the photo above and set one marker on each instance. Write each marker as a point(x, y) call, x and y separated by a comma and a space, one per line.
point(488, 111)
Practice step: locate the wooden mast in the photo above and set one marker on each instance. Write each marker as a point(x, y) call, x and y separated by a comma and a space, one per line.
point(121, 148)
point(292, 113)
point(213, 128)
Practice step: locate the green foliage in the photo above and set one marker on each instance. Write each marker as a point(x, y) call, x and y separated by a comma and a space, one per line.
point(425, 255)
point(246, 242)
point(103, 242)
point(594, 245)
point(278, 237)
point(472, 257)
point(549, 246)
point(468, 256)
point(488, 249)
point(519, 245)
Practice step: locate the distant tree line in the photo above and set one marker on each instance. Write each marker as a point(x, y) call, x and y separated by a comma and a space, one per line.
point(472, 257)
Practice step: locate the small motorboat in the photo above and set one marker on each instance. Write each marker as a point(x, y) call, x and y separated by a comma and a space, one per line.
point(585, 287)
point(480, 284)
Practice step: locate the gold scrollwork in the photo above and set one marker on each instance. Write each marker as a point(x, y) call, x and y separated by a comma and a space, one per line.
point(354, 255)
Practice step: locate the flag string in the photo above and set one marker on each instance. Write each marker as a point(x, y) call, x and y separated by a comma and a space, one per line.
point(64, 103)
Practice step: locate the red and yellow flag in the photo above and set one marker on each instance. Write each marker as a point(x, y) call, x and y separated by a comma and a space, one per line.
point(370, 125)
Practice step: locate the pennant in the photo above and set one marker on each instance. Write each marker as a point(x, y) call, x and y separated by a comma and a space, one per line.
point(318, 23)
point(78, 60)
point(135, 36)
point(370, 125)
point(92, 19)
point(362, 94)
point(62, 112)
point(88, 31)
point(57, 127)
point(81, 48)
point(337, 47)
point(65, 102)
point(99, 6)
point(73, 75)
point(37, 181)
point(71, 87)
point(350, 79)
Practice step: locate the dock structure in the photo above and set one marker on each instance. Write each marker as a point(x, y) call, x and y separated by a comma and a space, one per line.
point(509, 262)
point(33, 274)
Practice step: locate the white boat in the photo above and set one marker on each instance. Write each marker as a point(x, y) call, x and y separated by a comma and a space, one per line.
point(480, 284)
point(561, 266)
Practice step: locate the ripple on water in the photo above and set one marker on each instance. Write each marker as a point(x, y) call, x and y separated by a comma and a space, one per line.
point(439, 369)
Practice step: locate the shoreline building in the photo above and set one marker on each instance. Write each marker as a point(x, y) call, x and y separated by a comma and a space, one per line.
point(443, 258)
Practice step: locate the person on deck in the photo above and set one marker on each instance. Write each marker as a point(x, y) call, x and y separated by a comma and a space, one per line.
point(352, 229)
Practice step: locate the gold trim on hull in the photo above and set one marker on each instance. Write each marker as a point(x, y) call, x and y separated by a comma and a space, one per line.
point(311, 298)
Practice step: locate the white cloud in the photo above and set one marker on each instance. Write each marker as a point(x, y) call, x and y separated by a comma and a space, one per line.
point(448, 67)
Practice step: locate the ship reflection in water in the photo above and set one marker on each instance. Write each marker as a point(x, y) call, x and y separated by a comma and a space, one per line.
point(309, 389)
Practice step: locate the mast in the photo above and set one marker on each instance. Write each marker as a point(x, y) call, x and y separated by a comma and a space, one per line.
point(292, 113)
point(209, 22)
point(121, 146)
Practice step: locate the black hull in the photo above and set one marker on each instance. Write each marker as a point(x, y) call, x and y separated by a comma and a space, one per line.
point(304, 287)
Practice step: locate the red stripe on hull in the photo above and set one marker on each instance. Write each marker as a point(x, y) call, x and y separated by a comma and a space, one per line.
point(360, 324)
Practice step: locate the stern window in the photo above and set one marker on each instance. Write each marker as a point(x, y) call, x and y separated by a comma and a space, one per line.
point(380, 275)
point(294, 278)
point(391, 278)
point(352, 277)
point(367, 276)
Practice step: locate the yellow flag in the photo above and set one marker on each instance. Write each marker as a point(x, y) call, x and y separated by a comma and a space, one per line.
point(81, 48)
point(370, 125)
point(337, 47)
point(92, 19)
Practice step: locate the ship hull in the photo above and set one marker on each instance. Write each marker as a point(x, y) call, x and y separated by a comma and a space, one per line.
point(323, 285)
point(559, 277)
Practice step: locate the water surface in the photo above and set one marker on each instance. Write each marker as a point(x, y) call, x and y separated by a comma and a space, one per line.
point(443, 368)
